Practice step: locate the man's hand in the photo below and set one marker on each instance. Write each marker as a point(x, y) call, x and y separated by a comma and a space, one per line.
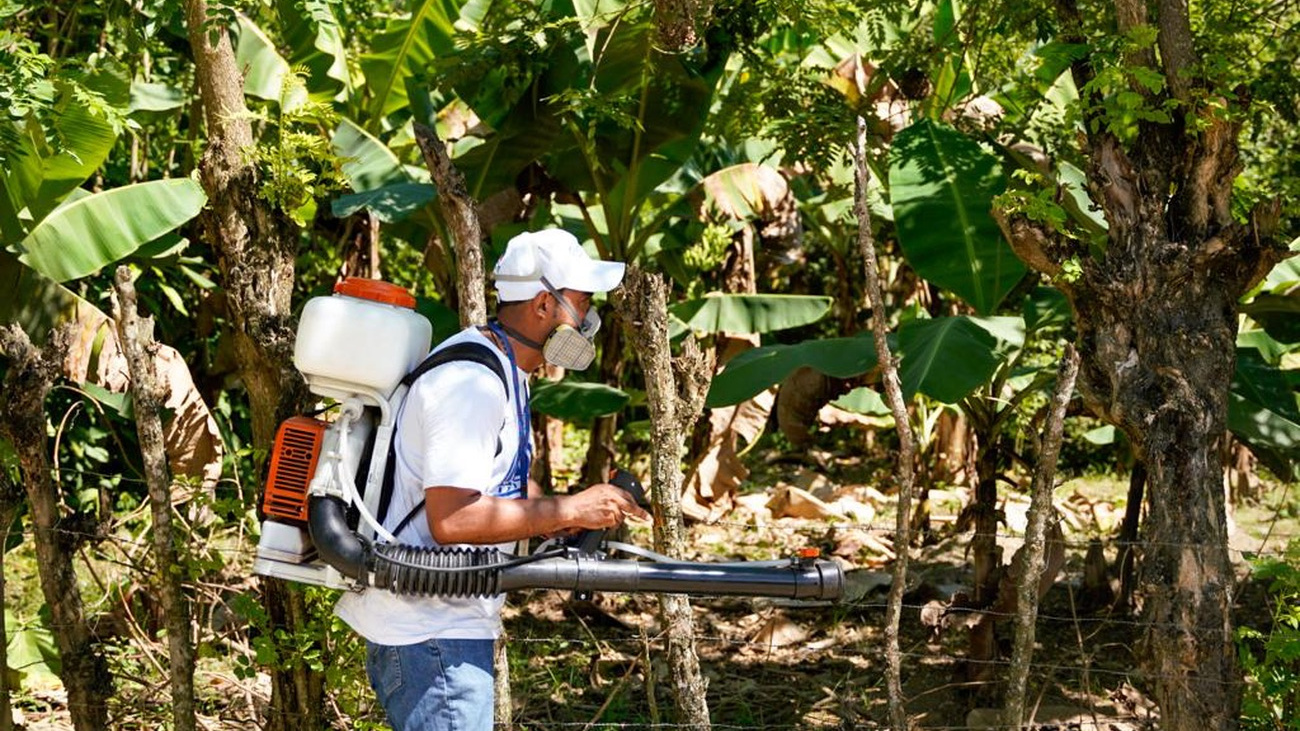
point(600, 506)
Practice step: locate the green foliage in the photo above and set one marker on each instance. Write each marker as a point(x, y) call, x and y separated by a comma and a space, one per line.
point(96, 230)
point(741, 313)
point(755, 370)
point(1272, 659)
point(575, 401)
point(942, 187)
point(947, 358)
point(298, 165)
point(1263, 413)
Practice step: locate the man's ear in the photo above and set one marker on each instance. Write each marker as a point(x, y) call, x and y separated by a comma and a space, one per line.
point(541, 304)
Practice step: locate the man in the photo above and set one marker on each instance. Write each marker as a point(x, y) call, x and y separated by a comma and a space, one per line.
point(463, 448)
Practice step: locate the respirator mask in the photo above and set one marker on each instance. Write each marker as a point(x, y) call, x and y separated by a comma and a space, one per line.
point(569, 347)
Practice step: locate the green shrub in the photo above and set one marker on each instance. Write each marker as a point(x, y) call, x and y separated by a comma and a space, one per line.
point(1272, 661)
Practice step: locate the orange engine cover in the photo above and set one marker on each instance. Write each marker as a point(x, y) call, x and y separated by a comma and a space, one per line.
point(293, 462)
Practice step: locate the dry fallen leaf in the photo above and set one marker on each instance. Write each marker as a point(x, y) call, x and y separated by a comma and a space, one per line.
point(779, 631)
point(792, 502)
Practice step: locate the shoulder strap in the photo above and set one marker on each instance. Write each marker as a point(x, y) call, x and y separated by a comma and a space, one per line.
point(472, 352)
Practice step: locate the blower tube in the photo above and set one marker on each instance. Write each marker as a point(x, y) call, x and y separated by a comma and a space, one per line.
point(482, 572)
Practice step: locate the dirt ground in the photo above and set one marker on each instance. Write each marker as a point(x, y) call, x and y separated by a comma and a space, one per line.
point(792, 665)
point(774, 664)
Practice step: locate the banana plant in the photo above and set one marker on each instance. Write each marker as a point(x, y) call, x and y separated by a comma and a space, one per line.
point(53, 232)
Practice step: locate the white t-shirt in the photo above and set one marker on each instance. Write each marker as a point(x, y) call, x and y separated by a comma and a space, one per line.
point(448, 431)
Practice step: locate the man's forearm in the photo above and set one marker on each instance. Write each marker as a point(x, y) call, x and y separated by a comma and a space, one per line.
point(457, 515)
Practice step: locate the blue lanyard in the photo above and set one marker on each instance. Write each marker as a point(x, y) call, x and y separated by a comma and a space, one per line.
point(523, 413)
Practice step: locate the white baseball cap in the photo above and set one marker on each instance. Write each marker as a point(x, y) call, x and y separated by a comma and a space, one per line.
point(556, 255)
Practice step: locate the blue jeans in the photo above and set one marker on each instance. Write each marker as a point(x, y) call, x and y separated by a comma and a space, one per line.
point(435, 685)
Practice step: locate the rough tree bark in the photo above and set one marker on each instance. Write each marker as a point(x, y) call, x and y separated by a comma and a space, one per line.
point(1033, 563)
point(675, 391)
point(1157, 323)
point(136, 337)
point(906, 438)
point(255, 246)
point(462, 216)
point(84, 672)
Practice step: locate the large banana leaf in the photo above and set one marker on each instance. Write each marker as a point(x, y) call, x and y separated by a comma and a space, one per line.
point(155, 97)
point(310, 29)
point(947, 358)
point(942, 185)
point(409, 46)
point(1262, 412)
point(575, 401)
point(368, 163)
point(1278, 314)
point(41, 175)
point(631, 160)
point(751, 313)
point(99, 229)
point(265, 70)
point(756, 370)
point(390, 204)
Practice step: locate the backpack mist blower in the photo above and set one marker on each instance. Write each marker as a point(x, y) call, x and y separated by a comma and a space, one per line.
point(329, 484)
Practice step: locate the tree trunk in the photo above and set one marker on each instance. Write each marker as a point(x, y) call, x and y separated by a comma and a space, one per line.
point(902, 422)
point(84, 673)
point(136, 337)
point(255, 246)
point(360, 246)
point(1033, 563)
point(1170, 396)
point(1157, 326)
point(674, 403)
point(1156, 313)
point(461, 214)
point(1128, 535)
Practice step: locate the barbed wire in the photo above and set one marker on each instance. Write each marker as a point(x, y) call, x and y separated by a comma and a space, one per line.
point(1109, 541)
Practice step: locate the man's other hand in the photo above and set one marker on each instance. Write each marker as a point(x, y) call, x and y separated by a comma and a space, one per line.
point(601, 506)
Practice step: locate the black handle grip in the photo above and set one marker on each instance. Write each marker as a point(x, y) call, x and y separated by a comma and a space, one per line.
point(588, 541)
point(626, 480)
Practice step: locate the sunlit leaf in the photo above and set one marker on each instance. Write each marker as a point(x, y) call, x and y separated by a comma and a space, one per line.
point(946, 358)
point(265, 70)
point(367, 162)
point(80, 238)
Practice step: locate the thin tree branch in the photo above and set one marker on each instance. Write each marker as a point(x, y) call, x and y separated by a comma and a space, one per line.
point(136, 337)
point(906, 439)
point(1032, 569)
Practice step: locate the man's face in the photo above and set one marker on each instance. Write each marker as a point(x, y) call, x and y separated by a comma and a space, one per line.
point(579, 301)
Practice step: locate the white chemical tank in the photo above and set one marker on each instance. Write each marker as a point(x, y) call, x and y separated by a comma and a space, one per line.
point(363, 339)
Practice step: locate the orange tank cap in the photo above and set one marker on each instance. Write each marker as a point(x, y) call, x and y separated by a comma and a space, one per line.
point(375, 291)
